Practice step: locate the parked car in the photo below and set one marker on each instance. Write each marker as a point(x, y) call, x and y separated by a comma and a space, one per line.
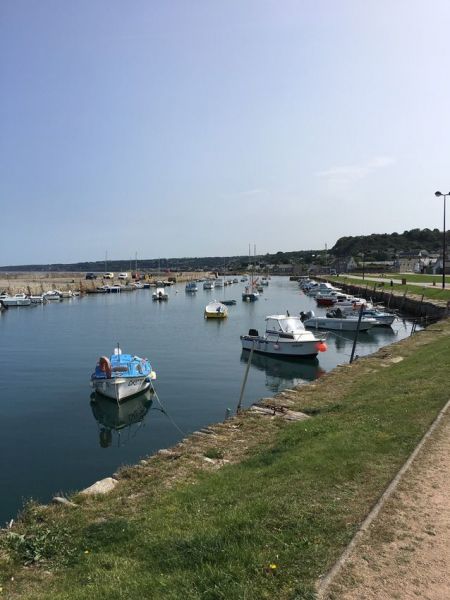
point(108, 276)
point(91, 276)
point(122, 276)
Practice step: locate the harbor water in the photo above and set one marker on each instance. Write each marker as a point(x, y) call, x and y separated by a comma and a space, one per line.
point(55, 438)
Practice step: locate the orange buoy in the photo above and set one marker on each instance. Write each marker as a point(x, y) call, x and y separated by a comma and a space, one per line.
point(321, 347)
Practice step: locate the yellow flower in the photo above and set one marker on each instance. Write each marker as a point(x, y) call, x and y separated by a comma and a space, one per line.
point(86, 551)
point(272, 566)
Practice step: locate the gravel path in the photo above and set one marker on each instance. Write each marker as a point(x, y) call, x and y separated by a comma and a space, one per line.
point(406, 552)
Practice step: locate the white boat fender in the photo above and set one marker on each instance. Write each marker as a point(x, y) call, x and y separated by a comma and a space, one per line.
point(151, 377)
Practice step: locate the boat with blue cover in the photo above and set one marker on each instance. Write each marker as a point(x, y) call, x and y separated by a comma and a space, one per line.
point(122, 375)
point(191, 286)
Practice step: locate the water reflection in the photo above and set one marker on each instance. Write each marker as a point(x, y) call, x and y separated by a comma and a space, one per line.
point(370, 340)
point(284, 372)
point(113, 418)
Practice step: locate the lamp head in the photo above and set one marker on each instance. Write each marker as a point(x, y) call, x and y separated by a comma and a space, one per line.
point(438, 194)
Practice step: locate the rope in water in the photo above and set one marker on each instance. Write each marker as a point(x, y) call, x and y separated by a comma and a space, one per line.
point(166, 413)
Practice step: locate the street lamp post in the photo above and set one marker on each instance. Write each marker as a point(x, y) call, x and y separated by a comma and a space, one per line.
point(438, 194)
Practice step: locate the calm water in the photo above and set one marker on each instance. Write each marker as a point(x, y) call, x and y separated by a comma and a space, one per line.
point(54, 439)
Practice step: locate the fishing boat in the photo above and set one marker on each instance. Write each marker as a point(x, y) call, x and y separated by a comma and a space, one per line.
point(191, 286)
point(337, 323)
point(285, 336)
point(160, 294)
point(250, 294)
point(16, 300)
point(216, 310)
point(122, 375)
point(209, 284)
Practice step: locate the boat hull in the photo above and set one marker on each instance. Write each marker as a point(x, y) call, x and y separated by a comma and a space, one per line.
point(325, 301)
point(215, 315)
point(384, 321)
point(15, 302)
point(307, 349)
point(120, 388)
point(251, 297)
point(339, 324)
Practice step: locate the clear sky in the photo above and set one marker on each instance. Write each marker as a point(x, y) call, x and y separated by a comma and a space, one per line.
point(196, 127)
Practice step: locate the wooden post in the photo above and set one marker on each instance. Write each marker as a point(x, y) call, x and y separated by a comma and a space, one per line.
point(247, 368)
point(356, 332)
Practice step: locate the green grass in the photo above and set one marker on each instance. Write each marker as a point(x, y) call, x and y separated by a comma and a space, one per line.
point(410, 277)
point(294, 501)
point(432, 293)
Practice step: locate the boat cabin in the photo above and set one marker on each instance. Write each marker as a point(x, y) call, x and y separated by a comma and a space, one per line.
point(284, 325)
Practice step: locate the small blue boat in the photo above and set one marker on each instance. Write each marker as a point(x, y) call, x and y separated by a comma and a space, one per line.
point(191, 286)
point(122, 375)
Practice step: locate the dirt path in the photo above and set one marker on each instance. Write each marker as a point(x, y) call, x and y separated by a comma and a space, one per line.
point(406, 552)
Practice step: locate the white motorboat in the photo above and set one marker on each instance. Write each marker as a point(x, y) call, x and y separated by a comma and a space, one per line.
point(285, 336)
point(16, 300)
point(219, 282)
point(66, 294)
point(343, 323)
point(216, 310)
point(209, 284)
point(53, 296)
point(37, 299)
point(382, 318)
point(160, 294)
point(321, 288)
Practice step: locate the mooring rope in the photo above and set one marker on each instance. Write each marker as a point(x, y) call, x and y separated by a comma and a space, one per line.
point(166, 413)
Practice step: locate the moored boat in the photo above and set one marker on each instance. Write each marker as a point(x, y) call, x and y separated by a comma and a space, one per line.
point(285, 336)
point(53, 296)
point(16, 300)
point(336, 323)
point(216, 310)
point(250, 294)
point(209, 284)
point(160, 294)
point(122, 375)
point(191, 286)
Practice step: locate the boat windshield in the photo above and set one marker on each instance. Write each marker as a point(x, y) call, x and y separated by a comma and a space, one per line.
point(287, 325)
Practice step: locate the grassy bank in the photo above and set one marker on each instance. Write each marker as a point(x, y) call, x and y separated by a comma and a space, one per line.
point(410, 277)
point(266, 524)
point(431, 293)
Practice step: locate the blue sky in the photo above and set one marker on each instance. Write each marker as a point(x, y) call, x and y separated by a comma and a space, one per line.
point(190, 128)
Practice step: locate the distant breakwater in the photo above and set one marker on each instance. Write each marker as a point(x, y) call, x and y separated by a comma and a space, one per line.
point(39, 283)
